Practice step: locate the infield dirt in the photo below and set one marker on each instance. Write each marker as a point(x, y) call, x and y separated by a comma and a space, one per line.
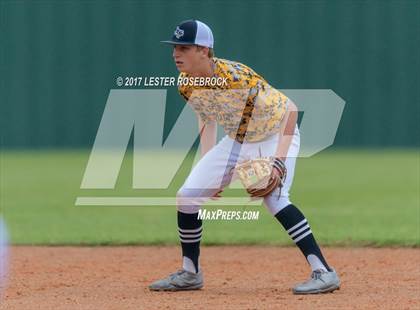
point(236, 277)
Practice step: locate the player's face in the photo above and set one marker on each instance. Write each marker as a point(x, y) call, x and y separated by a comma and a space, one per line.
point(187, 58)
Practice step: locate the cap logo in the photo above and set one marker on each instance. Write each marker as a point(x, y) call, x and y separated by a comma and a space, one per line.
point(178, 32)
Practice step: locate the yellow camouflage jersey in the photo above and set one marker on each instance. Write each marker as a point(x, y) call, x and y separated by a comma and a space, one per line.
point(246, 106)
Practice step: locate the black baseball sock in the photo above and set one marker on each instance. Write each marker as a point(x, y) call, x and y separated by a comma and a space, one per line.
point(298, 229)
point(190, 228)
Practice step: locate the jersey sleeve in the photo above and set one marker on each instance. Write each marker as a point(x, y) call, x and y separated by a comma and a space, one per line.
point(185, 91)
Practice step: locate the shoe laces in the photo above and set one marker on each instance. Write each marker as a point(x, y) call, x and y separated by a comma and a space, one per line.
point(316, 274)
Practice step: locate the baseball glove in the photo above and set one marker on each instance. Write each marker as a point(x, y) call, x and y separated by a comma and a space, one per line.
point(261, 176)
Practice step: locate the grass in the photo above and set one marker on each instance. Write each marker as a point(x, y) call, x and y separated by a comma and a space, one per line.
point(351, 197)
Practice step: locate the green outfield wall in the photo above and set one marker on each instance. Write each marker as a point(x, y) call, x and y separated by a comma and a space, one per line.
point(59, 60)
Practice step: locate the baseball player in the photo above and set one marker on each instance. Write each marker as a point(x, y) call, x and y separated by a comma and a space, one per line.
point(260, 122)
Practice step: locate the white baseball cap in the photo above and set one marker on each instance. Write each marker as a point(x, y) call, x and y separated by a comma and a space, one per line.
point(192, 32)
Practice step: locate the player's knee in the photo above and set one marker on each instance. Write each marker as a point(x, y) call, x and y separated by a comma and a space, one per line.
point(188, 200)
point(275, 204)
point(184, 193)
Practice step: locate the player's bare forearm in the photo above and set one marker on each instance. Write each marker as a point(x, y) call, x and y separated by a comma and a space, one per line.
point(208, 134)
point(287, 130)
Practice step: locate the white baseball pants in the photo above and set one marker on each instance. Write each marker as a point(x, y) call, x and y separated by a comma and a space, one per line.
point(214, 172)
